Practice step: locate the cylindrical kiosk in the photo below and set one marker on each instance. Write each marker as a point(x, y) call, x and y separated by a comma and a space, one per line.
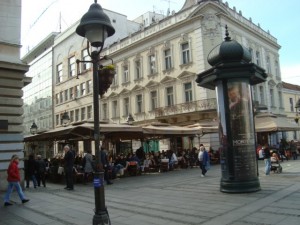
point(232, 75)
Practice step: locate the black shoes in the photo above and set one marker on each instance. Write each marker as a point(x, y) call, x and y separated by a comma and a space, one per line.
point(7, 204)
point(25, 200)
point(109, 183)
point(69, 189)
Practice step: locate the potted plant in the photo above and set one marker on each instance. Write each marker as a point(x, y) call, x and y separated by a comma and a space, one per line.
point(106, 75)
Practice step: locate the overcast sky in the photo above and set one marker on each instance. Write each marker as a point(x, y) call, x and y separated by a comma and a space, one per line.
point(281, 18)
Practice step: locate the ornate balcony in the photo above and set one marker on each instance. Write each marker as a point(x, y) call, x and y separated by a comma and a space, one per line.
point(195, 106)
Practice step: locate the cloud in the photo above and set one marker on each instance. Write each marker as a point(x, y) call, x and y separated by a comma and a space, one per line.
point(291, 74)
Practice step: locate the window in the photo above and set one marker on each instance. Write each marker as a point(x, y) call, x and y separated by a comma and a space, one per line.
point(280, 99)
point(257, 58)
point(66, 95)
point(61, 96)
point(86, 57)
point(57, 120)
point(77, 91)
point(170, 97)
point(139, 103)
point(251, 53)
point(71, 93)
point(82, 113)
point(188, 94)
point(71, 116)
point(185, 51)
point(59, 72)
point(72, 66)
point(114, 108)
point(57, 99)
point(168, 59)
point(152, 64)
point(272, 97)
point(89, 86)
point(153, 101)
point(276, 68)
point(138, 70)
point(77, 115)
point(104, 111)
point(82, 89)
point(89, 112)
point(126, 106)
point(291, 104)
point(115, 80)
point(262, 95)
point(268, 65)
point(125, 74)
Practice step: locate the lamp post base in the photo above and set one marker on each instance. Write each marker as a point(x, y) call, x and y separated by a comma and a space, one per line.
point(101, 219)
point(101, 216)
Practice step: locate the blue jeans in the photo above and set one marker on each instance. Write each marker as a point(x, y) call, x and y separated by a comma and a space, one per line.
point(10, 188)
point(267, 166)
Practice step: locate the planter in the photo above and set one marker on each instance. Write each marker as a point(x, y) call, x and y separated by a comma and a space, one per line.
point(106, 77)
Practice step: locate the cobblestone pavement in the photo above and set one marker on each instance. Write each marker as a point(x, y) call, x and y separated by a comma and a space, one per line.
point(178, 197)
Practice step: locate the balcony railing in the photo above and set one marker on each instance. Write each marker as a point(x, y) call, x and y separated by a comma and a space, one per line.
point(195, 106)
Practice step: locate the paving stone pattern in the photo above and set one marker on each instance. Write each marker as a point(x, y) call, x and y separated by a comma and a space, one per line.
point(177, 198)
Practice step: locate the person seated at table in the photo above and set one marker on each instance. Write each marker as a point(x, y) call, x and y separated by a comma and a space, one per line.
point(173, 159)
point(120, 164)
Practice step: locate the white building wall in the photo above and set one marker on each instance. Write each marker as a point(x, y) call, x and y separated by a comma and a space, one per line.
point(12, 80)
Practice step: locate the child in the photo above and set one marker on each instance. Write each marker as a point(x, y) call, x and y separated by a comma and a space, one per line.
point(13, 178)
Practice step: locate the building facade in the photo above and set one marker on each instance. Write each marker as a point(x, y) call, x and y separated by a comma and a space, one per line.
point(291, 96)
point(157, 60)
point(38, 95)
point(12, 80)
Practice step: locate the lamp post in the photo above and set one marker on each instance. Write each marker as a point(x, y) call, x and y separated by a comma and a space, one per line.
point(95, 25)
point(33, 128)
point(130, 119)
point(65, 119)
point(33, 131)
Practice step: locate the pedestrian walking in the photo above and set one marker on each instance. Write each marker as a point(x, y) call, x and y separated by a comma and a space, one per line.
point(267, 159)
point(69, 164)
point(13, 178)
point(87, 165)
point(41, 171)
point(203, 160)
point(293, 148)
point(30, 171)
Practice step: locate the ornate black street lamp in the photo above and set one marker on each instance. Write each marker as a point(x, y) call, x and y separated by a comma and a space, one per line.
point(95, 25)
point(130, 119)
point(232, 74)
point(33, 128)
point(33, 131)
point(65, 119)
point(297, 111)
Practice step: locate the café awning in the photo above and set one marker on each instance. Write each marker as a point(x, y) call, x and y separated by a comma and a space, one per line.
point(162, 130)
point(85, 130)
point(272, 123)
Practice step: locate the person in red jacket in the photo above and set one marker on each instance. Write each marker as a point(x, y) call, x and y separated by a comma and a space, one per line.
point(13, 178)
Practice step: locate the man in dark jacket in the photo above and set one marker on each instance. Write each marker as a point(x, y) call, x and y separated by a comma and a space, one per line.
point(105, 163)
point(69, 163)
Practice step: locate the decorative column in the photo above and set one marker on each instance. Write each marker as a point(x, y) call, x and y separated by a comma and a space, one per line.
point(232, 75)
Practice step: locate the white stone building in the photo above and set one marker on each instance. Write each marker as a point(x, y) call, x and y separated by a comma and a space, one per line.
point(157, 60)
point(12, 80)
